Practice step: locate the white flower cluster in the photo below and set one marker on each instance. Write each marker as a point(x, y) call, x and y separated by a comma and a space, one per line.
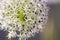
point(24, 16)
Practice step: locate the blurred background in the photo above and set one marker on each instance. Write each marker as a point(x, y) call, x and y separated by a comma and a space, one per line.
point(51, 30)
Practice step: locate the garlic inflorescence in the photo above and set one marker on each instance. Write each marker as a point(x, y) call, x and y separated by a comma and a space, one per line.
point(24, 16)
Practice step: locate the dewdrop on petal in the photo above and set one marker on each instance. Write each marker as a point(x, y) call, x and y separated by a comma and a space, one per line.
point(24, 16)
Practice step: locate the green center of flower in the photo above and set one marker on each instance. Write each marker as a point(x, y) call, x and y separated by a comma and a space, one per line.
point(21, 16)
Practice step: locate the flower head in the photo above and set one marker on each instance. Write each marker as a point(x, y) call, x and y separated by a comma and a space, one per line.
point(25, 16)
